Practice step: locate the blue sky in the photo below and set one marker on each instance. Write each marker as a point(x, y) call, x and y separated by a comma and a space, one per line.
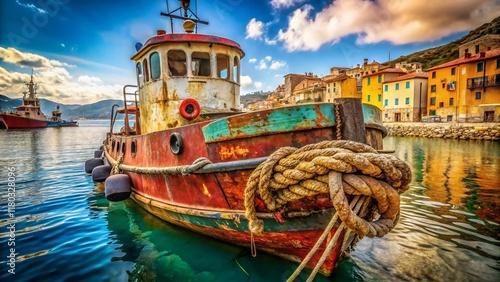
point(80, 50)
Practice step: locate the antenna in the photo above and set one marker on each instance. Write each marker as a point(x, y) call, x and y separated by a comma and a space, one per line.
point(191, 21)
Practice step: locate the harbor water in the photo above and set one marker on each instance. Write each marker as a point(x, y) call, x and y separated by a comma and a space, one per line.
point(58, 226)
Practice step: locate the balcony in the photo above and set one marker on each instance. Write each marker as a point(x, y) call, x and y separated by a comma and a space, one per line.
point(487, 81)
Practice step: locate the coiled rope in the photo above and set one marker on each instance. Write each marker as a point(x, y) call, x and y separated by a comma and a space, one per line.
point(339, 168)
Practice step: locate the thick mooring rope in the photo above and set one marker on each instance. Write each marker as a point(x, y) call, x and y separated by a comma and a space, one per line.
point(168, 170)
point(291, 174)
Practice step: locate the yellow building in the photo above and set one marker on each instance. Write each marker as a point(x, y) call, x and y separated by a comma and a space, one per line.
point(466, 89)
point(309, 90)
point(340, 87)
point(372, 85)
point(405, 98)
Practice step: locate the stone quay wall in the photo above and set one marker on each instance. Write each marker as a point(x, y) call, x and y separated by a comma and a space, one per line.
point(464, 131)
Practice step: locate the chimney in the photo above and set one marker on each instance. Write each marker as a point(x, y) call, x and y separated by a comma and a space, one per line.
point(365, 61)
point(467, 55)
point(482, 54)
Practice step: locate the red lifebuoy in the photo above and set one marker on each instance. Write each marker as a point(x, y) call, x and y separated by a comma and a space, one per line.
point(189, 109)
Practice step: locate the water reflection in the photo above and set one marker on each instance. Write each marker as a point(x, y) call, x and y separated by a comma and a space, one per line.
point(449, 227)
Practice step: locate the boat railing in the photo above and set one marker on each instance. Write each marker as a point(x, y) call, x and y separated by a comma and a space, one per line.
point(130, 105)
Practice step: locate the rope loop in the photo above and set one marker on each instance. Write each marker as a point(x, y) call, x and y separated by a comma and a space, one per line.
point(340, 168)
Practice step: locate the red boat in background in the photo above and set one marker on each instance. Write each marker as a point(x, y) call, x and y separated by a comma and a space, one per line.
point(302, 182)
point(29, 114)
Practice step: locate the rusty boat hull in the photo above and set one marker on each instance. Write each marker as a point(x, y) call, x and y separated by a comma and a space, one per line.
point(212, 202)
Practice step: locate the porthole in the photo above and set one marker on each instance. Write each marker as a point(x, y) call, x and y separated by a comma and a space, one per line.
point(176, 145)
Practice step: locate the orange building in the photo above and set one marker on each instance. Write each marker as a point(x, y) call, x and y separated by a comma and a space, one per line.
point(342, 86)
point(309, 90)
point(372, 91)
point(466, 89)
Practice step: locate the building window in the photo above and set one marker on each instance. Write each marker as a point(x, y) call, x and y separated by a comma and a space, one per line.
point(386, 88)
point(477, 49)
point(200, 64)
point(480, 66)
point(407, 100)
point(433, 74)
point(433, 100)
point(441, 104)
point(379, 98)
point(433, 88)
point(368, 98)
point(177, 63)
point(397, 86)
point(396, 101)
point(452, 71)
point(222, 66)
point(478, 95)
point(432, 112)
point(154, 65)
point(498, 63)
point(386, 102)
point(407, 84)
point(369, 81)
point(379, 78)
point(489, 115)
point(451, 101)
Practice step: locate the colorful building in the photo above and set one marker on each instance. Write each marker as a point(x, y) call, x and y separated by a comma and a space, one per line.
point(309, 90)
point(405, 98)
point(466, 89)
point(372, 85)
point(342, 86)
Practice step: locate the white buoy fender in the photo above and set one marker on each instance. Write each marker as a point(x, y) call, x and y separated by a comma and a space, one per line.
point(97, 154)
point(100, 173)
point(90, 164)
point(117, 187)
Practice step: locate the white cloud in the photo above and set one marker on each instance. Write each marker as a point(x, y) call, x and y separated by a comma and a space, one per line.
point(245, 81)
point(277, 65)
point(254, 29)
point(262, 65)
point(270, 41)
point(399, 22)
point(268, 58)
point(32, 7)
point(284, 3)
point(258, 84)
point(55, 79)
point(63, 45)
point(90, 80)
point(252, 60)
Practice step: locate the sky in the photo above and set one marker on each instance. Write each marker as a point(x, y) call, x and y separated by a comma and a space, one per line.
point(80, 50)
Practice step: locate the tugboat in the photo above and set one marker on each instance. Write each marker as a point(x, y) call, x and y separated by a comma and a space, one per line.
point(303, 182)
point(29, 115)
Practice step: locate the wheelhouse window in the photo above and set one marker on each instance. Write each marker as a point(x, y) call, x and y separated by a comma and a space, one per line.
point(145, 68)
point(222, 66)
point(200, 64)
point(236, 70)
point(154, 64)
point(177, 63)
point(138, 69)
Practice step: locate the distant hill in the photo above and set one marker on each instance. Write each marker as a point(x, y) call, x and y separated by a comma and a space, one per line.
point(442, 54)
point(96, 110)
point(253, 97)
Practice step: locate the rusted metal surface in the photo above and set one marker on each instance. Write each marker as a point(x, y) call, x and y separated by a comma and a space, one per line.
point(290, 243)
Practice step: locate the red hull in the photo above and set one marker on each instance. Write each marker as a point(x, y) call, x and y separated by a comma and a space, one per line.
point(14, 122)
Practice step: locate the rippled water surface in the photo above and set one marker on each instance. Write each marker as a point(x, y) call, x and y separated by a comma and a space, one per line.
point(65, 230)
